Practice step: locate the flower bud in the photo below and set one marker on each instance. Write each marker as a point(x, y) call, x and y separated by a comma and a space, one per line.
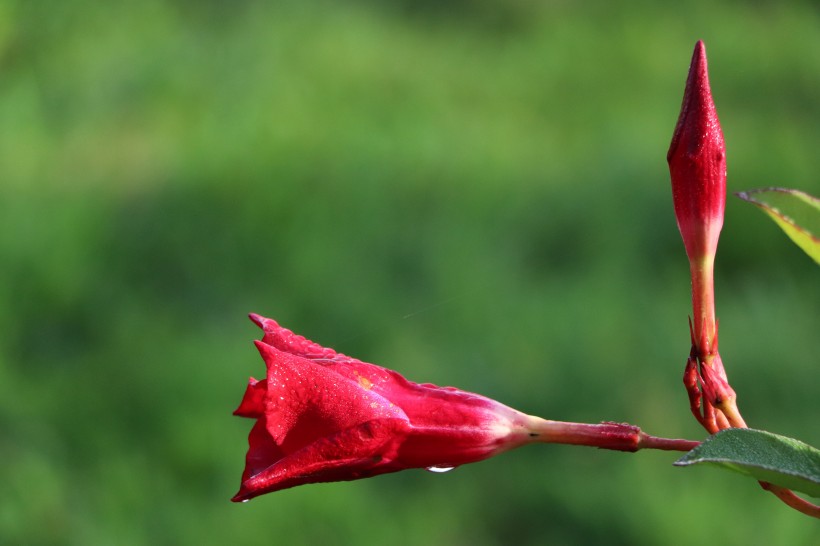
point(697, 163)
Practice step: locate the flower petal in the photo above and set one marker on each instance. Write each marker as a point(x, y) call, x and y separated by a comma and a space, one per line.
point(365, 450)
point(288, 342)
point(252, 404)
point(262, 450)
point(423, 403)
point(306, 401)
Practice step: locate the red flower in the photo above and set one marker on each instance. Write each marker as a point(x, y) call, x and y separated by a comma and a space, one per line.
point(323, 416)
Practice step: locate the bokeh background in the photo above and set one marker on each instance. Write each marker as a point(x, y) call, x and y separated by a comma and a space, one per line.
point(474, 193)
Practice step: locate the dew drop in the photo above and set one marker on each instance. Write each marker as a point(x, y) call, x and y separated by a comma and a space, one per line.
point(246, 500)
point(439, 469)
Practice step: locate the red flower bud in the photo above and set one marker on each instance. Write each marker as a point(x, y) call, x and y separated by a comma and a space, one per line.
point(697, 163)
point(323, 416)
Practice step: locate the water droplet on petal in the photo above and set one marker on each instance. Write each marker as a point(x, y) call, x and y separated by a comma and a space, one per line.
point(439, 469)
point(246, 500)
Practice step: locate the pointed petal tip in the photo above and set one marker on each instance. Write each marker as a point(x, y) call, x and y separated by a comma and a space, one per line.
point(269, 353)
point(698, 115)
point(259, 320)
point(268, 325)
point(241, 496)
point(697, 80)
point(251, 404)
point(698, 67)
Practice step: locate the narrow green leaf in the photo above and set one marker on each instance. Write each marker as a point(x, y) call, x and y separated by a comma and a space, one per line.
point(765, 456)
point(796, 212)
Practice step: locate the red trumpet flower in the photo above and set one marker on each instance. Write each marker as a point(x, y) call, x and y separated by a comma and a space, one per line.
point(323, 416)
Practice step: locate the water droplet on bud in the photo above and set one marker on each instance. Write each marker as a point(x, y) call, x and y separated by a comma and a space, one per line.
point(439, 469)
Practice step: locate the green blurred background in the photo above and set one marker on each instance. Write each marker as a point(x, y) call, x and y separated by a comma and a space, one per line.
point(474, 193)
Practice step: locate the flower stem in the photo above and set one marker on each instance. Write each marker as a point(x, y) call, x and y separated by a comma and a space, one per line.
point(666, 444)
point(608, 435)
point(703, 305)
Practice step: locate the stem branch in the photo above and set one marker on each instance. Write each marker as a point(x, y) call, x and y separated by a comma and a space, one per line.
point(792, 500)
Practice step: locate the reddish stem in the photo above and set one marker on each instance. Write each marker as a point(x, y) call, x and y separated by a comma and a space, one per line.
point(608, 435)
point(703, 305)
point(792, 500)
point(666, 444)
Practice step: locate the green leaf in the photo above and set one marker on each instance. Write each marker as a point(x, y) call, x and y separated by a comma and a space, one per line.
point(796, 212)
point(765, 456)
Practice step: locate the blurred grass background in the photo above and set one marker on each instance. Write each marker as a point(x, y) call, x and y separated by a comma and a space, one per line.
point(473, 193)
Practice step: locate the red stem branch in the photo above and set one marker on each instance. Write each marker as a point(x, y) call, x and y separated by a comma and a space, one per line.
point(792, 500)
